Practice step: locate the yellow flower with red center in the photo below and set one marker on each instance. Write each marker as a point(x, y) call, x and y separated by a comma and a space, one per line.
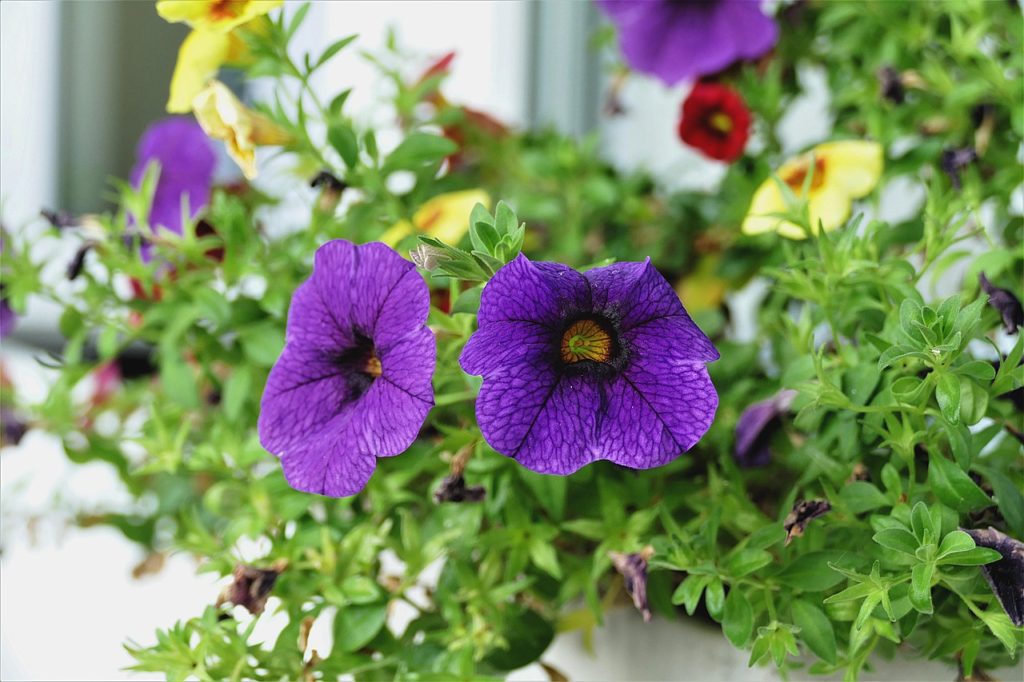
point(224, 117)
point(212, 43)
point(445, 217)
point(829, 178)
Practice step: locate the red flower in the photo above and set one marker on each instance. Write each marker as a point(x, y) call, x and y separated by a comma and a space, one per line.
point(715, 120)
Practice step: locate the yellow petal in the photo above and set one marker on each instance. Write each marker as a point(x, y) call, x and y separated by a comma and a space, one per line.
point(702, 289)
point(767, 200)
point(214, 15)
point(854, 166)
point(446, 216)
point(224, 117)
point(396, 233)
point(830, 205)
point(199, 57)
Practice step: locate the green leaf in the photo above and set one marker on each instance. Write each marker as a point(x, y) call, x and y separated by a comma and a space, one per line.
point(1008, 498)
point(543, 556)
point(714, 599)
point(861, 496)
point(815, 630)
point(977, 369)
point(973, 401)
point(360, 589)
point(689, 591)
point(343, 139)
point(953, 487)
point(527, 635)
point(972, 557)
point(898, 540)
point(921, 587)
point(237, 389)
point(262, 343)
point(811, 573)
point(334, 48)
point(955, 541)
point(296, 21)
point(419, 149)
point(947, 393)
point(746, 561)
point(356, 625)
point(737, 618)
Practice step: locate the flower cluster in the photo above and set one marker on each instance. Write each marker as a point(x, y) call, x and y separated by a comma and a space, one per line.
point(577, 367)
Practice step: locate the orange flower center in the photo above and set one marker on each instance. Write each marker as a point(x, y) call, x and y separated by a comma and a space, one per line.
point(372, 368)
point(586, 340)
point(798, 176)
point(226, 9)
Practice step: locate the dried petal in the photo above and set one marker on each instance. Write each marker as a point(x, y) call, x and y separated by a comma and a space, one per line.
point(1005, 303)
point(454, 489)
point(1006, 576)
point(633, 567)
point(804, 511)
point(890, 85)
point(251, 586)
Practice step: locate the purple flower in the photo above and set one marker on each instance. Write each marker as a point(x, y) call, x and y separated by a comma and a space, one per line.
point(678, 40)
point(187, 161)
point(577, 368)
point(755, 428)
point(354, 380)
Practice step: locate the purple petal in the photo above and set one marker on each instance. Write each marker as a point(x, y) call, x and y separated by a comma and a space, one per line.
point(683, 401)
point(304, 392)
point(7, 318)
point(524, 290)
point(340, 459)
point(387, 294)
point(187, 161)
point(677, 41)
point(649, 312)
point(752, 428)
point(506, 341)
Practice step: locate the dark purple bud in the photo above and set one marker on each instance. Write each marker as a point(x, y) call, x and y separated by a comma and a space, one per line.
point(890, 85)
point(953, 161)
point(330, 190)
point(78, 262)
point(1005, 302)
point(802, 514)
point(7, 316)
point(59, 219)
point(633, 567)
point(454, 489)
point(251, 586)
point(12, 427)
point(1006, 576)
point(755, 428)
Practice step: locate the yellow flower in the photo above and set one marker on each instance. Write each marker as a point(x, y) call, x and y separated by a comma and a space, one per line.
point(212, 43)
point(224, 117)
point(842, 171)
point(702, 289)
point(214, 15)
point(445, 217)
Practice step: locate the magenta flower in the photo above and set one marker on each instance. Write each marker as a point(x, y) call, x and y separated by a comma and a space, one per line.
point(187, 161)
point(577, 368)
point(354, 380)
point(679, 40)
